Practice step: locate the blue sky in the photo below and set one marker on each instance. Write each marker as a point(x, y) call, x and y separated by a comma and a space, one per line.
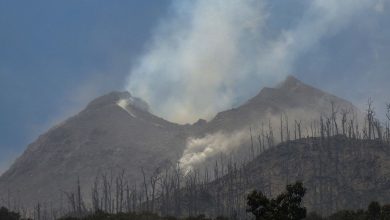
point(55, 56)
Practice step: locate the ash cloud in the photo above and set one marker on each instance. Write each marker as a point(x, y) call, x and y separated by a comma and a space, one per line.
point(210, 55)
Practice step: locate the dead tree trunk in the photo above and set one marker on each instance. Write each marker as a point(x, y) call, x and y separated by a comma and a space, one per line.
point(370, 118)
point(334, 120)
point(95, 195)
point(252, 156)
point(145, 189)
point(388, 123)
point(153, 180)
point(281, 128)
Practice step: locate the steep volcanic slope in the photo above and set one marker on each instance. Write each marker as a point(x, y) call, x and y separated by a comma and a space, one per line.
point(111, 133)
point(117, 132)
point(230, 131)
point(291, 97)
point(339, 173)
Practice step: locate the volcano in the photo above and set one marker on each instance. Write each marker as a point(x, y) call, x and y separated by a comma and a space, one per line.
point(117, 132)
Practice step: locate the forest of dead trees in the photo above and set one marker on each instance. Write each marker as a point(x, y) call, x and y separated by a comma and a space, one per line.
point(222, 188)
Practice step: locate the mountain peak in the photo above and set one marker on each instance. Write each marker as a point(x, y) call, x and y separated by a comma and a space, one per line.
point(125, 98)
point(103, 137)
point(107, 99)
point(290, 82)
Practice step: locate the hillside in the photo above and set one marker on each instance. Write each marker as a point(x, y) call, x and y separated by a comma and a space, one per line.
point(116, 132)
point(101, 139)
point(291, 97)
point(339, 173)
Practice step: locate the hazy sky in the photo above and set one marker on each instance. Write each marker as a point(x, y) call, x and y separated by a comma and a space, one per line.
point(55, 56)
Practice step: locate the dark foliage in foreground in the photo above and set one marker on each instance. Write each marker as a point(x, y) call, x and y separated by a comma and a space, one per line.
point(286, 206)
point(374, 212)
point(6, 214)
point(136, 216)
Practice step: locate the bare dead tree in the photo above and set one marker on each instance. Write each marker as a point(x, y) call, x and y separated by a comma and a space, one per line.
point(119, 189)
point(177, 186)
point(206, 179)
point(358, 133)
point(281, 128)
point(145, 184)
point(252, 156)
point(128, 198)
point(110, 192)
point(295, 130)
point(351, 129)
point(260, 144)
point(287, 129)
point(378, 128)
point(312, 129)
point(322, 127)
point(134, 197)
point(79, 198)
point(140, 198)
point(262, 137)
point(344, 118)
point(71, 201)
point(334, 119)
point(154, 178)
point(370, 118)
point(106, 188)
point(328, 128)
point(221, 156)
point(388, 123)
point(270, 136)
point(95, 195)
point(166, 188)
point(37, 212)
point(298, 129)
point(216, 170)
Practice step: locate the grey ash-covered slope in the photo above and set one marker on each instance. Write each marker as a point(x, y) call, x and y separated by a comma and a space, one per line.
point(292, 97)
point(116, 131)
point(339, 173)
point(102, 137)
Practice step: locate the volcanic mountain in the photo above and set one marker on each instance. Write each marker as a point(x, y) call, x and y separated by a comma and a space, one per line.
point(116, 131)
point(113, 132)
point(291, 98)
point(338, 172)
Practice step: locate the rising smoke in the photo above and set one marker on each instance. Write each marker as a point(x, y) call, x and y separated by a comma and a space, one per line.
point(198, 150)
point(198, 58)
point(209, 55)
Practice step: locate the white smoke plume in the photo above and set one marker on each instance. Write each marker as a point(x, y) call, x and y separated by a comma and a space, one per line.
point(209, 55)
point(198, 150)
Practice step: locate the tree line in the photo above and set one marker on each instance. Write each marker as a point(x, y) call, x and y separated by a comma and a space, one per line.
point(220, 189)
